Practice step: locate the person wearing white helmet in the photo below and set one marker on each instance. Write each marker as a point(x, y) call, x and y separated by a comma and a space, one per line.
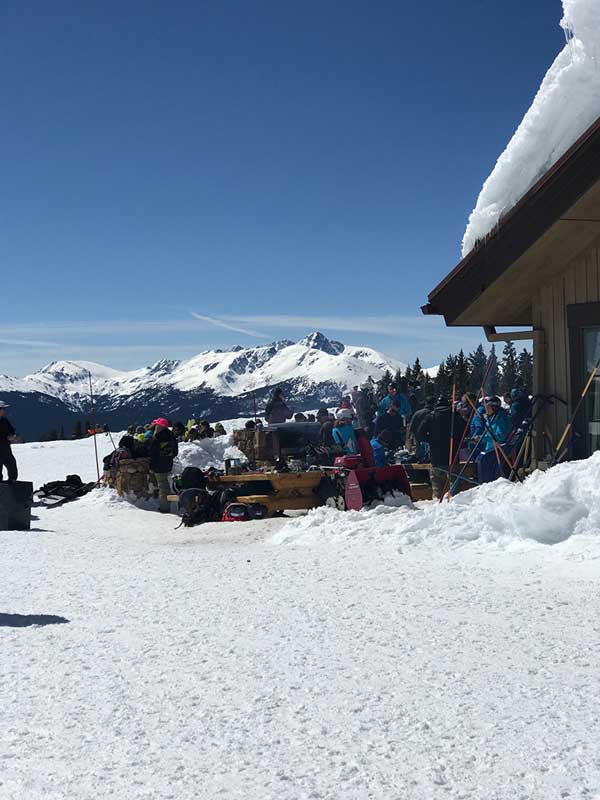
point(6, 456)
point(343, 432)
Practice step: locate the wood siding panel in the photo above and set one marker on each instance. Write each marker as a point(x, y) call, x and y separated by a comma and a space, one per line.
point(581, 288)
point(592, 275)
point(560, 350)
point(547, 314)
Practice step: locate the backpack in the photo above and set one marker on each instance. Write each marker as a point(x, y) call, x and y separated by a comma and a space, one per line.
point(195, 507)
point(192, 478)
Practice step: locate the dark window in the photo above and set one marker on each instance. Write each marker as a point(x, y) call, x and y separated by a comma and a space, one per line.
point(584, 343)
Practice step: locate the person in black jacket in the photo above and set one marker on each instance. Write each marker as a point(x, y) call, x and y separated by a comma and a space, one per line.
point(163, 449)
point(6, 456)
point(436, 429)
point(277, 411)
point(414, 440)
point(392, 422)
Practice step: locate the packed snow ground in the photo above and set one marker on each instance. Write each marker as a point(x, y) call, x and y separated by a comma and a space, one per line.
point(439, 652)
point(567, 103)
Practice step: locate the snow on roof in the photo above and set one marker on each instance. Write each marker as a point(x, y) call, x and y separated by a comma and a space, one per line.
point(566, 105)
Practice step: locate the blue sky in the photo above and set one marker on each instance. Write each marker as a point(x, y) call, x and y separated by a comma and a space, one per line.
point(274, 166)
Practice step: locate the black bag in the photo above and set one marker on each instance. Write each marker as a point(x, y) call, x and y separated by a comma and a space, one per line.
point(195, 507)
point(192, 478)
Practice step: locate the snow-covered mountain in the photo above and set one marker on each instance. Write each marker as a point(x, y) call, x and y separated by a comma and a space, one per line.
point(215, 383)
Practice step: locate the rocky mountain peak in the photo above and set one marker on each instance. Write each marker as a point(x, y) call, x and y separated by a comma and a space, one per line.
point(318, 341)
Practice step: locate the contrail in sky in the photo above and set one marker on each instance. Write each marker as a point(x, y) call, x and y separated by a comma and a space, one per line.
point(220, 324)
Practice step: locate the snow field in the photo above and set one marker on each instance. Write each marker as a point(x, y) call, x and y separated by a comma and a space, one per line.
point(349, 663)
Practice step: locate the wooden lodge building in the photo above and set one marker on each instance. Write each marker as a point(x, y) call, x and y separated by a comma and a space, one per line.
point(540, 267)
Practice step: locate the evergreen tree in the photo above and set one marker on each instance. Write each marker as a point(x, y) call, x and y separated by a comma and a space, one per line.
point(509, 368)
point(443, 381)
point(492, 385)
point(477, 366)
point(417, 374)
point(526, 368)
point(77, 433)
point(381, 387)
point(61, 433)
point(427, 386)
point(52, 435)
point(88, 426)
point(397, 379)
point(461, 374)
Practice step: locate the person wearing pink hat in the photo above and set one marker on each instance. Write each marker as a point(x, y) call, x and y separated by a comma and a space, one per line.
point(163, 449)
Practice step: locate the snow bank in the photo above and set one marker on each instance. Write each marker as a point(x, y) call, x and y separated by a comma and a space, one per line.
point(548, 508)
point(206, 453)
point(567, 103)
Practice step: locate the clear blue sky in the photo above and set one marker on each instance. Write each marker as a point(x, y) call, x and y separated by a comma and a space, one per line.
point(277, 166)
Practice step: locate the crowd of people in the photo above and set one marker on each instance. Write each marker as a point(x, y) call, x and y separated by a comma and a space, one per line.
point(399, 421)
point(476, 425)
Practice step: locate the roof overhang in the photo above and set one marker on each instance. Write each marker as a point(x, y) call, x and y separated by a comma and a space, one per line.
point(555, 221)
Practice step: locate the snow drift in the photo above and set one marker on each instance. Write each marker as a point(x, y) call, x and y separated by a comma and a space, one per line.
point(548, 508)
point(567, 103)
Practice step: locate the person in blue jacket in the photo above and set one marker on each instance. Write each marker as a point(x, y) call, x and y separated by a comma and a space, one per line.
point(400, 400)
point(380, 444)
point(343, 432)
point(497, 421)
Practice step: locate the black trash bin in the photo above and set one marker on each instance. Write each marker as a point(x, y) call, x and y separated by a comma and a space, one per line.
point(15, 506)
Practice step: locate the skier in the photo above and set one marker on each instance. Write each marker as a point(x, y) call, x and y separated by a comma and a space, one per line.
point(277, 411)
point(392, 422)
point(343, 432)
point(399, 399)
point(436, 429)
point(379, 445)
point(6, 456)
point(163, 449)
point(413, 432)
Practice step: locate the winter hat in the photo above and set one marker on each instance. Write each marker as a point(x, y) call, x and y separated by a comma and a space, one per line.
point(3, 404)
point(344, 413)
point(164, 423)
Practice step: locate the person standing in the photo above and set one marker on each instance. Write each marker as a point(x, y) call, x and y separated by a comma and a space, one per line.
point(6, 456)
point(163, 449)
point(393, 423)
point(437, 429)
point(277, 411)
point(343, 432)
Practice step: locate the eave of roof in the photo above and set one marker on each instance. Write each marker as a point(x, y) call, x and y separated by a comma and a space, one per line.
point(553, 194)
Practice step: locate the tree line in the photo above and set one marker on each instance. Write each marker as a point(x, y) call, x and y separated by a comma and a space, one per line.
point(467, 373)
point(58, 434)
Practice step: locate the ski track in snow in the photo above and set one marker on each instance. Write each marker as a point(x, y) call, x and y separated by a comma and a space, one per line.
point(216, 662)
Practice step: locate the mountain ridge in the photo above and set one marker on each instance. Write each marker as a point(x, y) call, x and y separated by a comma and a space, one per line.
point(212, 384)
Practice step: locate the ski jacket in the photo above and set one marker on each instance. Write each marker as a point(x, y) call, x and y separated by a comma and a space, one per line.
point(436, 430)
point(500, 425)
point(417, 419)
point(344, 436)
point(400, 400)
point(6, 429)
point(378, 452)
point(276, 412)
point(163, 449)
point(326, 434)
point(394, 424)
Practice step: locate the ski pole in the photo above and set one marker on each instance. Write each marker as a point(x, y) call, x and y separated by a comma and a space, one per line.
point(94, 425)
point(469, 460)
point(451, 454)
point(582, 397)
point(488, 368)
point(496, 442)
point(524, 449)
